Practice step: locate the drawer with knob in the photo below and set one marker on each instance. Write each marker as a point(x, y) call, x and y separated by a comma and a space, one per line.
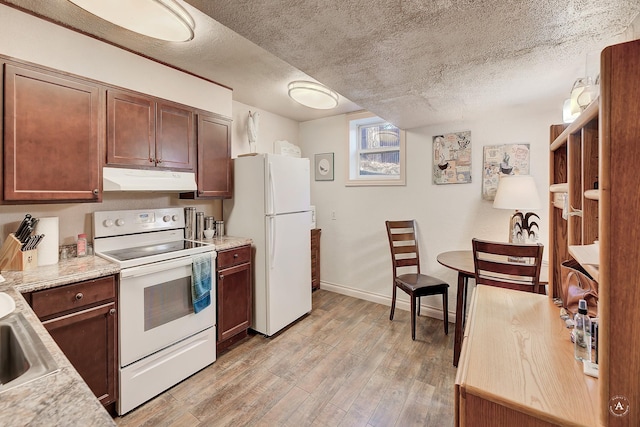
point(60, 299)
point(235, 256)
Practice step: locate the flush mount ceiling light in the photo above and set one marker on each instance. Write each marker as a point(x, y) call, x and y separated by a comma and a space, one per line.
point(160, 19)
point(313, 95)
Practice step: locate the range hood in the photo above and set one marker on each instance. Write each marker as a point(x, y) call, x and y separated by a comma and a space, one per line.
point(119, 179)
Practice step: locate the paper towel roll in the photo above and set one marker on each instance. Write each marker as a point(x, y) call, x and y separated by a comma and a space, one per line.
point(48, 247)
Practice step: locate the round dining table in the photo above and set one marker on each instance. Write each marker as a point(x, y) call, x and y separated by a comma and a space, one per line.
point(462, 262)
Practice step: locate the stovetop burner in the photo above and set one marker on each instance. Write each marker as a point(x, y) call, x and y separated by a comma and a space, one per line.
point(150, 250)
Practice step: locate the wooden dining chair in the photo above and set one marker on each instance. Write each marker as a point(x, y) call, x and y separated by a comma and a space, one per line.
point(508, 265)
point(404, 253)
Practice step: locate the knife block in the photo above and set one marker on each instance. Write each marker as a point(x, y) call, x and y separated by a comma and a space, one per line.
point(13, 259)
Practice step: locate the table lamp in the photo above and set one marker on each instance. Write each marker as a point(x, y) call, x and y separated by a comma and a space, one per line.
point(519, 192)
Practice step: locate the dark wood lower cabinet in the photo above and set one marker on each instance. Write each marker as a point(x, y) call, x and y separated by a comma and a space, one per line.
point(85, 339)
point(315, 258)
point(82, 318)
point(234, 295)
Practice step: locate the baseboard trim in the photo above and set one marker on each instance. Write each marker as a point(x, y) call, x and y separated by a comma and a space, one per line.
point(430, 311)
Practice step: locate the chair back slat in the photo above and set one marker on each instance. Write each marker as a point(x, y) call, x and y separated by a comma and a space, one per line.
point(401, 224)
point(508, 265)
point(406, 262)
point(404, 249)
point(508, 268)
point(507, 249)
point(403, 237)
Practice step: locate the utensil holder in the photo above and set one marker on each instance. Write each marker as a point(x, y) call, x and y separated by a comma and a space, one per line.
point(13, 259)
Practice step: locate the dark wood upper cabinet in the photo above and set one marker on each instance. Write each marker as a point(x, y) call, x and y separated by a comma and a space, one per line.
point(214, 170)
point(51, 137)
point(60, 130)
point(175, 146)
point(131, 129)
point(145, 131)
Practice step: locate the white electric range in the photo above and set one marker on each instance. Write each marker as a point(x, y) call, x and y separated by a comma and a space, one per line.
point(161, 339)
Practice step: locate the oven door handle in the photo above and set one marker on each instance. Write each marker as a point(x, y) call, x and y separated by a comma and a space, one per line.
point(156, 267)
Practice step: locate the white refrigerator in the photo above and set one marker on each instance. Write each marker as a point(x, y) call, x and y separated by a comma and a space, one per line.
point(271, 205)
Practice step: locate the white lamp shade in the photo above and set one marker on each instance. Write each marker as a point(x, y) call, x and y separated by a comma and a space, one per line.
point(313, 95)
point(160, 19)
point(517, 192)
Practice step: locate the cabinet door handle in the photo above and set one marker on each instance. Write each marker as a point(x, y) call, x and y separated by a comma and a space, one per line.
point(158, 161)
point(112, 311)
point(235, 255)
point(151, 160)
point(79, 296)
point(221, 277)
point(96, 191)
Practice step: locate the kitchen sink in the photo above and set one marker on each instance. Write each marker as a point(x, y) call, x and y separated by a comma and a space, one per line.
point(23, 356)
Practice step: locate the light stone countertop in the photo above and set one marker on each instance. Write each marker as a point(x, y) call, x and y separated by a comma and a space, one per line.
point(62, 398)
point(227, 242)
point(64, 272)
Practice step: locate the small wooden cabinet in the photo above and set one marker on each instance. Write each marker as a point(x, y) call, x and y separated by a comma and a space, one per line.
point(143, 131)
point(234, 296)
point(214, 168)
point(315, 258)
point(52, 137)
point(82, 318)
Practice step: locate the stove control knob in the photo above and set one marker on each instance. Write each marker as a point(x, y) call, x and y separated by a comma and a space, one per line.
point(119, 222)
point(107, 223)
point(175, 217)
point(166, 218)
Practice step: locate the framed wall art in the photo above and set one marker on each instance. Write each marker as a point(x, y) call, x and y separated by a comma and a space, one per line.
point(324, 167)
point(452, 158)
point(507, 159)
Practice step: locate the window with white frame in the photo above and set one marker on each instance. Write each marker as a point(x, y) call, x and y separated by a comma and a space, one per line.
point(376, 151)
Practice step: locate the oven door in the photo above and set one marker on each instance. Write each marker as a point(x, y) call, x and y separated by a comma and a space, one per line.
point(156, 308)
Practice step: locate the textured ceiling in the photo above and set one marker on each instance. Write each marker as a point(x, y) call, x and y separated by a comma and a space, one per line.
point(420, 62)
point(412, 62)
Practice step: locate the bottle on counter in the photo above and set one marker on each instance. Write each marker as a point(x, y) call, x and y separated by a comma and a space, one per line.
point(81, 245)
point(582, 333)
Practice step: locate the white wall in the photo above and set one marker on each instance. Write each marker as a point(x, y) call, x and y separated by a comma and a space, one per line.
point(355, 255)
point(271, 128)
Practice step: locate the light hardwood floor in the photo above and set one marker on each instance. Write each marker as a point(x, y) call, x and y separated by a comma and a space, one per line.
point(345, 364)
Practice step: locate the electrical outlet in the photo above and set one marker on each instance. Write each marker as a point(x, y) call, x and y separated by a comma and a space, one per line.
point(333, 215)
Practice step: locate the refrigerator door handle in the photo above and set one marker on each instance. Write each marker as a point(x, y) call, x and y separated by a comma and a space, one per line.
point(272, 191)
point(272, 242)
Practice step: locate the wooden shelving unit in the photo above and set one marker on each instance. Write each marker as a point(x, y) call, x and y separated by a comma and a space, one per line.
point(594, 159)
